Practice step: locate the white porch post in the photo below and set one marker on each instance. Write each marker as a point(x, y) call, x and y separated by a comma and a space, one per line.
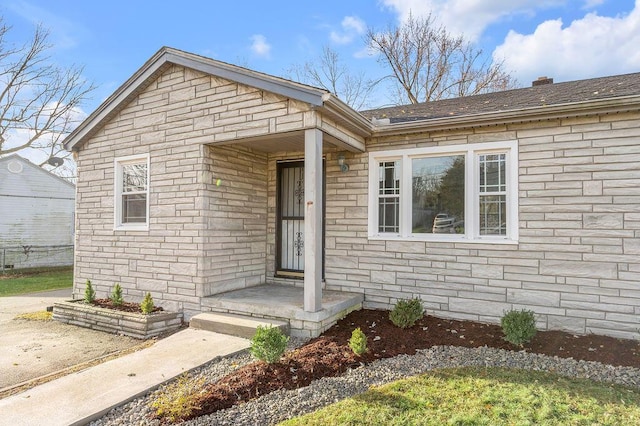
point(313, 220)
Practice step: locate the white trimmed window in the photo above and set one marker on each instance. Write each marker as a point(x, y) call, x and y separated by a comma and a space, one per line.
point(452, 193)
point(132, 192)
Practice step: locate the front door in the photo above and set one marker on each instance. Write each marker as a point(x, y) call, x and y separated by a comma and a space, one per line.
point(290, 220)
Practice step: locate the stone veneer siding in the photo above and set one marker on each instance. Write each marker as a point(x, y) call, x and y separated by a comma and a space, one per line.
point(202, 238)
point(577, 264)
point(236, 214)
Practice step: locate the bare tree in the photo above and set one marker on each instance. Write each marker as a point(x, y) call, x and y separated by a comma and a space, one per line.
point(428, 63)
point(330, 73)
point(39, 102)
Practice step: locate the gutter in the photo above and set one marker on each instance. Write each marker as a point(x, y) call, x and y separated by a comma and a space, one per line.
point(344, 113)
point(573, 109)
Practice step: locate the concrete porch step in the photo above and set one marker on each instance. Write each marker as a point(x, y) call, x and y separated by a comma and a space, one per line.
point(234, 325)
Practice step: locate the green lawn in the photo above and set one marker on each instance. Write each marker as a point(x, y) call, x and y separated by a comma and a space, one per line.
point(17, 282)
point(476, 396)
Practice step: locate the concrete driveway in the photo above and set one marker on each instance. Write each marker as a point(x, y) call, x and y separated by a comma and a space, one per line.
point(31, 349)
point(13, 305)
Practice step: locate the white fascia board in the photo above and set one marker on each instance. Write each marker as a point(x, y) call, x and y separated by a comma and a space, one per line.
point(166, 55)
point(247, 77)
point(114, 101)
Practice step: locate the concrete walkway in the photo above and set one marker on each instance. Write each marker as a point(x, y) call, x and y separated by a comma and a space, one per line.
point(10, 306)
point(80, 397)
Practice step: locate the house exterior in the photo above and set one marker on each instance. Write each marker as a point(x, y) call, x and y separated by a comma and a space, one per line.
point(36, 216)
point(198, 178)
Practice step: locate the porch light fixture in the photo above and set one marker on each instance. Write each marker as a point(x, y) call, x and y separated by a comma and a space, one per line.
point(344, 167)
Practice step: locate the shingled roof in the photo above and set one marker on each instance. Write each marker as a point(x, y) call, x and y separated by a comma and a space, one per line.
point(516, 99)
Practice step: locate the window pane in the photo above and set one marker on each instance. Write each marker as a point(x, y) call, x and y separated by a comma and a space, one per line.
point(389, 179)
point(134, 177)
point(134, 208)
point(388, 214)
point(389, 197)
point(493, 215)
point(492, 173)
point(438, 195)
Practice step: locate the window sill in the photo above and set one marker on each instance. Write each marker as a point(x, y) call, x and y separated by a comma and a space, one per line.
point(443, 239)
point(141, 227)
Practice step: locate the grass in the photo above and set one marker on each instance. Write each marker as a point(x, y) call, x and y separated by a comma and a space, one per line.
point(476, 396)
point(179, 399)
point(36, 316)
point(31, 281)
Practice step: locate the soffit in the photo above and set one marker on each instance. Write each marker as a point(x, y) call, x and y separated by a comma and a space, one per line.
point(282, 142)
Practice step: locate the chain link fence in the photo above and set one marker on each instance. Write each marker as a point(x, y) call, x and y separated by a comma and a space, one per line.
point(31, 256)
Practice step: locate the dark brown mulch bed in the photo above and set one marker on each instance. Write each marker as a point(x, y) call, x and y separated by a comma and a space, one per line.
point(125, 306)
point(329, 354)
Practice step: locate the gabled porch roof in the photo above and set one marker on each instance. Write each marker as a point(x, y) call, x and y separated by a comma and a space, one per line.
point(318, 99)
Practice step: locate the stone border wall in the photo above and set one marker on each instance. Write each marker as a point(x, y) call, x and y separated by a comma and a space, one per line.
point(131, 324)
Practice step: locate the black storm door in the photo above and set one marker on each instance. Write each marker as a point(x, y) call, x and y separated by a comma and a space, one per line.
point(290, 219)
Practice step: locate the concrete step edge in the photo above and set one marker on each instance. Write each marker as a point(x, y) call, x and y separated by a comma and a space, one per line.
point(233, 324)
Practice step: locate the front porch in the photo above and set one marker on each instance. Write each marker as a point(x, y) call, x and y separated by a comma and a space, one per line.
point(266, 224)
point(285, 303)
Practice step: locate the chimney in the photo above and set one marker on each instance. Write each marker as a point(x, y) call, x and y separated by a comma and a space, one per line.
point(542, 81)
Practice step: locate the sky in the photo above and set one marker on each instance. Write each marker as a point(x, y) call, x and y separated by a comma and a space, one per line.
point(563, 39)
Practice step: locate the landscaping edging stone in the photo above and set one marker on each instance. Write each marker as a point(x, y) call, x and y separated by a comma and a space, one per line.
point(140, 326)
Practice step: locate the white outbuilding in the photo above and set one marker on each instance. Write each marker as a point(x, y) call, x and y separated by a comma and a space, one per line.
point(36, 216)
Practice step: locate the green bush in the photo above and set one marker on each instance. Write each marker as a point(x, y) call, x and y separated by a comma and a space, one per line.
point(89, 293)
point(116, 295)
point(406, 313)
point(358, 342)
point(268, 344)
point(147, 304)
point(179, 399)
point(518, 327)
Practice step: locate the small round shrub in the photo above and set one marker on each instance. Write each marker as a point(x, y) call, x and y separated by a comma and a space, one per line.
point(406, 313)
point(89, 293)
point(116, 295)
point(518, 327)
point(358, 342)
point(268, 344)
point(147, 304)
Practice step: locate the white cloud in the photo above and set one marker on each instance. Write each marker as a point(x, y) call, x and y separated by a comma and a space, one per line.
point(353, 23)
point(468, 17)
point(589, 47)
point(590, 4)
point(352, 26)
point(259, 46)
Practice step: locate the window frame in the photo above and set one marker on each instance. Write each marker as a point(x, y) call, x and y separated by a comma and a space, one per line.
point(119, 162)
point(472, 154)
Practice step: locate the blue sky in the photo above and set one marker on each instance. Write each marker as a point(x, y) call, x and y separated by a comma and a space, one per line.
point(563, 39)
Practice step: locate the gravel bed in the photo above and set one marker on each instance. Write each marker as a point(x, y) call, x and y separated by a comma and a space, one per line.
point(281, 405)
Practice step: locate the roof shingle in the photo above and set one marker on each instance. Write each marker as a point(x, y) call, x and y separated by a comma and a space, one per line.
point(516, 99)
